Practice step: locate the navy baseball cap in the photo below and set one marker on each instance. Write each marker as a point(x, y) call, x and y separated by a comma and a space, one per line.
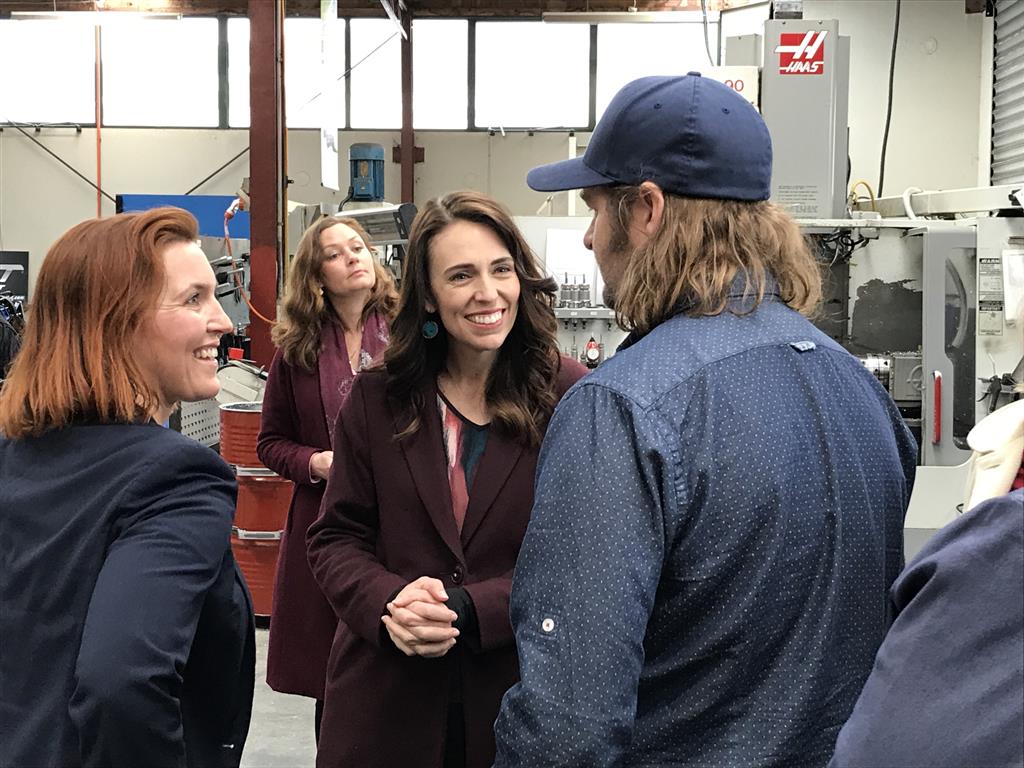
point(691, 136)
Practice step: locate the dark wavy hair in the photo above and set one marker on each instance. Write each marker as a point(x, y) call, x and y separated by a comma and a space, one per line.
point(521, 387)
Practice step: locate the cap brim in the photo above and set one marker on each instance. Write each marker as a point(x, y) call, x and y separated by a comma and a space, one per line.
point(567, 174)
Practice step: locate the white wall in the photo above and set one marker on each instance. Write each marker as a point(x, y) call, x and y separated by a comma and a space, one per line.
point(40, 199)
point(934, 139)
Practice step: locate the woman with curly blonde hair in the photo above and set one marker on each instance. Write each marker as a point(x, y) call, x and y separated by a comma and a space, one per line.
point(337, 306)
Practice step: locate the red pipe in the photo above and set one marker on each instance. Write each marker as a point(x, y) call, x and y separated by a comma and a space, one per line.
point(99, 122)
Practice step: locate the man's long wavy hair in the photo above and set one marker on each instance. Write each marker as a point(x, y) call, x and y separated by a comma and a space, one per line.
point(97, 287)
point(701, 248)
point(304, 308)
point(521, 386)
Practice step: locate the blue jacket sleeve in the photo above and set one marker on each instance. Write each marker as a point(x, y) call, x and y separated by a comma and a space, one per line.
point(585, 584)
point(165, 554)
point(947, 686)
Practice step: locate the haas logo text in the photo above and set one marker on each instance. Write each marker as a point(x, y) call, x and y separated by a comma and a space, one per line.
point(801, 53)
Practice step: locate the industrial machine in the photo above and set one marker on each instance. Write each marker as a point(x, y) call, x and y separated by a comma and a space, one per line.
point(929, 300)
point(366, 164)
point(928, 291)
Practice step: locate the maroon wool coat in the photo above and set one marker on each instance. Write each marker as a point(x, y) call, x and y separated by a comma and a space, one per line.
point(387, 520)
point(294, 427)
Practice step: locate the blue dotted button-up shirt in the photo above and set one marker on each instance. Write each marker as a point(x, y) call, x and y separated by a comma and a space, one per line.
point(718, 518)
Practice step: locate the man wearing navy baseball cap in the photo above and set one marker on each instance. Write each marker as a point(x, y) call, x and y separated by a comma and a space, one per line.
point(719, 507)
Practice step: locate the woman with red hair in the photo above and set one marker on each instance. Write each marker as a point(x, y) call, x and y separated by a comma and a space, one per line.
point(128, 629)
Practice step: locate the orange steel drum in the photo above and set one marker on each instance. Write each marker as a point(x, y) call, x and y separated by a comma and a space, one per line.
point(260, 515)
point(262, 508)
point(262, 501)
point(257, 558)
point(239, 428)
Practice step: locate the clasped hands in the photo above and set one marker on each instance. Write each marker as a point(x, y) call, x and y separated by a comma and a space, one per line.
point(419, 622)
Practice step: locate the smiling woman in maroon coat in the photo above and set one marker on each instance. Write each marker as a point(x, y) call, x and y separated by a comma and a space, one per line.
point(335, 323)
point(430, 495)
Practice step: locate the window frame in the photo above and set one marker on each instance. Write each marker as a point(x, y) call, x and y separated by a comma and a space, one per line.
point(221, 88)
point(591, 75)
point(224, 94)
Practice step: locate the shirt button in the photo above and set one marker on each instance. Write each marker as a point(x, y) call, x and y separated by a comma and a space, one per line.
point(548, 625)
point(457, 575)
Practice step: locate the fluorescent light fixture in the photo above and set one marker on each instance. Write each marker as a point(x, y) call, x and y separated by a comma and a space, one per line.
point(630, 17)
point(93, 18)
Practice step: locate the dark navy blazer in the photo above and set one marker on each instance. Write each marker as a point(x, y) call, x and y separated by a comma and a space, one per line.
point(948, 682)
point(126, 629)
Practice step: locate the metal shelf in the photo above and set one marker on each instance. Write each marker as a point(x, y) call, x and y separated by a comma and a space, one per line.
point(584, 313)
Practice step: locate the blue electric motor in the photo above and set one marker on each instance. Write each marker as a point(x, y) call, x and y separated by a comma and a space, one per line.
point(366, 163)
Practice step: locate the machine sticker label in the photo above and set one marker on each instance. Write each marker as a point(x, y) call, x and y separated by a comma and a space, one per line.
point(800, 200)
point(801, 53)
point(14, 274)
point(990, 297)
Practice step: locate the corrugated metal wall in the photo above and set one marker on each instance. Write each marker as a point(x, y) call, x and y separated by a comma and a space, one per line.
point(1008, 94)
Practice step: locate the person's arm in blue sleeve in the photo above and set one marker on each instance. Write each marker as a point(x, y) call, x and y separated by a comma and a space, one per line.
point(144, 610)
point(585, 584)
point(954, 650)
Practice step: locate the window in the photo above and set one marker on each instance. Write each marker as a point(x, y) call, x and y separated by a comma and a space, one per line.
point(238, 73)
point(440, 79)
point(49, 72)
point(668, 49)
point(305, 81)
point(376, 78)
point(161, 73)
point(518, 64)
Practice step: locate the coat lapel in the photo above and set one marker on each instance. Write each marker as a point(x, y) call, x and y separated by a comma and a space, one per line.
point(424, 453)
point(500, 457)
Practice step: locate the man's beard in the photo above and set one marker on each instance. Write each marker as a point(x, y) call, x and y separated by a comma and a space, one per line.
point(608, 296)
point(619, 249)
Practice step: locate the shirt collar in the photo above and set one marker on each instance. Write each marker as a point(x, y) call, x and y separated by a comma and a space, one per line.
point(739, 300)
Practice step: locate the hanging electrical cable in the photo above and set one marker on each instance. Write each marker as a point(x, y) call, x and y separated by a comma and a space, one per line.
point(99, 119)
point(888, 106)
point(707, 40)
point(871, 193)
point(238, 204)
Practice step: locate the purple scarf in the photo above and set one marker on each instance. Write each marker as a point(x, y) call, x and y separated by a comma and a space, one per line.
point(335, 374)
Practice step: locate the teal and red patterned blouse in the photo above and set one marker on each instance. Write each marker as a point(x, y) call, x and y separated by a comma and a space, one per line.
point(464, 444)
